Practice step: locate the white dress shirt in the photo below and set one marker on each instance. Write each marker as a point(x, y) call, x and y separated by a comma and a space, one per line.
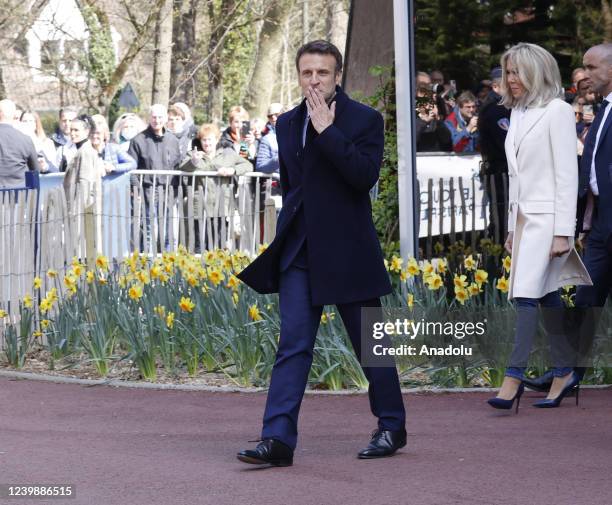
point(593, 179)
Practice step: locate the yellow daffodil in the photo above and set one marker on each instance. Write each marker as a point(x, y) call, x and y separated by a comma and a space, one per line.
point(37, 334)
point(102, 262)
point(102, 280)
point(143, 277)
point(122, 281)
point(3, 313)
point(254, 313)
point(461, 295)
point(90, 277)
point(434, 282)
point(404, 275)
point(396, 264)
point(469, 263)
point(170, 320)
point(186, 304)
point(502, 285)
point(51, 273)
point(27, 301)
point(135, 292)
point(45, 305)
point(44, 323)
point(233, 282)
point(442, 266)
point(192, 281)
point(410, 300)
point(52, 295)
point(460, 281)
point(78, 270)
point(70, 281)
point(474, 289)
point(160, 310)
point(37, 282)
point(507, 263)
point(413, 267)
point(235, 298)
point(481, 277)
point(324, 318)
point(215, 277)
point(427, 268)
point(155, 271)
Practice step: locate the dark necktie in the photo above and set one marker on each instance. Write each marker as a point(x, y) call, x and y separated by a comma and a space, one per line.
point(311, 133)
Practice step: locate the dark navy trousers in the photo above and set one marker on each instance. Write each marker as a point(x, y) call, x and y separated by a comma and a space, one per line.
point(299, 325)
point(598, 261)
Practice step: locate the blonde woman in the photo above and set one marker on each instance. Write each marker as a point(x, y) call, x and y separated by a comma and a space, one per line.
point(543, 187)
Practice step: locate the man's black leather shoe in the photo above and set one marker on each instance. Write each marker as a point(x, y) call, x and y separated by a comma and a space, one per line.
point(541, 384)
point(268, 452)
point(383, 443)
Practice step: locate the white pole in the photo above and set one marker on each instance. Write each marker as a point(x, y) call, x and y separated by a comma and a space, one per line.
point(404, 93)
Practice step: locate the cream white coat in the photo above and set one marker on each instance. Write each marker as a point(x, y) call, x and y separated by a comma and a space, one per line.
point(543, 190)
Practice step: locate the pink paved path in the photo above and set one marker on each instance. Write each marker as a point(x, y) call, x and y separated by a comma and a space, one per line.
point(149, 447)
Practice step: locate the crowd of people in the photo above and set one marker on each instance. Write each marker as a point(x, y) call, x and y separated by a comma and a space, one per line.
point(168, 140)
point(472, 121)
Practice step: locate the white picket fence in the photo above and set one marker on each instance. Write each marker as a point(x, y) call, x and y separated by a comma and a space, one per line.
point(39, 232)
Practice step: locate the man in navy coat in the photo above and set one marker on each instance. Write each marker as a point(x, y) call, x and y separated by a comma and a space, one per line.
point(325, 252)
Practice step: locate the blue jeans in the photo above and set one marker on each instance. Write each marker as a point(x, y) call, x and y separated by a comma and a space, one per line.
point(526, 328)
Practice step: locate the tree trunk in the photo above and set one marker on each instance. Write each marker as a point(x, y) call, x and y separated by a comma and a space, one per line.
point(136, 44)
point(219, 22)
point(265, 75)
point(2, 86)
point(183, 46)
point(163, 55)
point(305, 22)
point(606, 10)
point(337, 23)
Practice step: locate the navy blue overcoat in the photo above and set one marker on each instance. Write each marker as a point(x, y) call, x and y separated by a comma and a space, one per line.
point(331, 178)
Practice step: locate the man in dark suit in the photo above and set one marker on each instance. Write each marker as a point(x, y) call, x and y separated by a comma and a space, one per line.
point(594, 205)
point(325, 252)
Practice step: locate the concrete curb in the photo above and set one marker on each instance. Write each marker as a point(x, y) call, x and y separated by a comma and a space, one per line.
point(13, 374)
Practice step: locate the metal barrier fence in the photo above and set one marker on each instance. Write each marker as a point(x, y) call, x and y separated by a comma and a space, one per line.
point(147, 211)
point(156, 211)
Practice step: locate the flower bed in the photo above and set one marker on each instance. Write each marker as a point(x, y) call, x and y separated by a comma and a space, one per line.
point(184, 314)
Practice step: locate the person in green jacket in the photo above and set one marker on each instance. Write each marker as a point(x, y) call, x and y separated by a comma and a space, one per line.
point(213, 195)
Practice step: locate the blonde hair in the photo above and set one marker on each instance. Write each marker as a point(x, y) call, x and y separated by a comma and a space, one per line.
point(538, 72)
point(124, 118)
point(238, 112)
point(101, 126)
point(208, 129)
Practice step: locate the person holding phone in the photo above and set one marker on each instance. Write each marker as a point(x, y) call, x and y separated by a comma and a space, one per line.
point(238, 134)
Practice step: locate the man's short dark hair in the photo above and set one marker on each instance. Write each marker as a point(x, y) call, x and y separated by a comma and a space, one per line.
point(319, 47)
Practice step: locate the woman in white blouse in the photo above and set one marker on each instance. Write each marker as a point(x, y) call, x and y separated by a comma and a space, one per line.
point(543, 186)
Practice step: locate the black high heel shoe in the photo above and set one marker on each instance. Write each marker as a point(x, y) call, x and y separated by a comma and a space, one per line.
point(500, 403)
point(553, 403)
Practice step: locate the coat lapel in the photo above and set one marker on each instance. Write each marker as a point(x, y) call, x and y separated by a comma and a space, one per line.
point(531, 118)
